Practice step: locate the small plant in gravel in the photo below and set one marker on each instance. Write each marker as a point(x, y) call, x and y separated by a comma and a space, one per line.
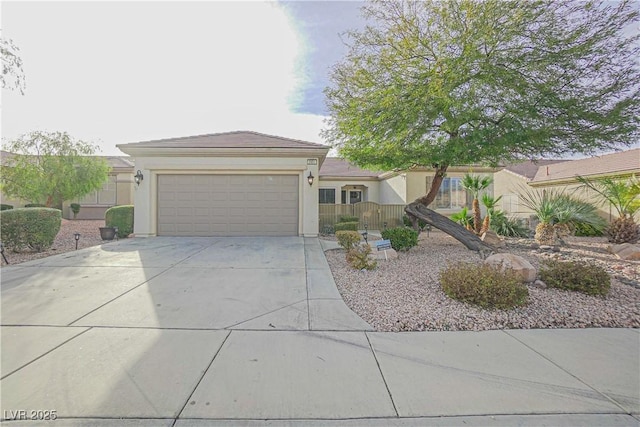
point(348, 239)
point(402, 238)
point(75, 208)
point(358, 258)
point(576, 276)
point(483, 285)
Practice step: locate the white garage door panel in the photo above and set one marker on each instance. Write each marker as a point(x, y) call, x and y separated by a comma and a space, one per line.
point(227, 205)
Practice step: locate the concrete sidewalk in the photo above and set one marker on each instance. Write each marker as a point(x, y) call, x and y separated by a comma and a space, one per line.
point(106, 343)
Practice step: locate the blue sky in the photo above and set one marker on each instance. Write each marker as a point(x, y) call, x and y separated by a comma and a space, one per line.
point(118, 72)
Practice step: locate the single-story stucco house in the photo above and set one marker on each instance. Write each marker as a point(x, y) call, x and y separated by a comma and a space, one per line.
point(247, 183)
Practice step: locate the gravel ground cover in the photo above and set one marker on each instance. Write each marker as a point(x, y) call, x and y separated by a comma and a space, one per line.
point(64, 241)
point(404, 294)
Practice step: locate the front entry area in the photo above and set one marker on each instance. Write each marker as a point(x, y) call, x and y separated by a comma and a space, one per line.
point(227, 205)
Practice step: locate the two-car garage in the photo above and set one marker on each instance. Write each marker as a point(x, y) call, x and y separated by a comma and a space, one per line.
point(226, 184)
point(227, 205)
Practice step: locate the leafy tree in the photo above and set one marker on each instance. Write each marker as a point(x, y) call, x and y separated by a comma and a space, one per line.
point(434, 83)
point(50, 167)
point(12, 76)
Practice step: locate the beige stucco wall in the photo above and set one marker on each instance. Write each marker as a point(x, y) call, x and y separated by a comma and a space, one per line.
point(393, 190)
point(510, 186)
point(145, 195)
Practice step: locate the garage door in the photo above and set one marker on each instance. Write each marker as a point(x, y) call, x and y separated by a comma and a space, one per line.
point(227, 205)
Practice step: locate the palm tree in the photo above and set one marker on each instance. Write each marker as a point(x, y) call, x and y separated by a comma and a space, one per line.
point(475, 184)
point(490, 203)
point(557, 213)
point(624, 196)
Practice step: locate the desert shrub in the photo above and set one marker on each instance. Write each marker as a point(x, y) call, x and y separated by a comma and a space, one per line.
point(121, 217)
point(34, 205)
point(576, 276)
point(348, 239)
point(483, 285)
point(33, 228)
point(508, 226)
point(348, 218)
point(358, 258)
point(402, 238)
point(587, 230)
point(4, 207)
point(75, 208)
point(342, 226)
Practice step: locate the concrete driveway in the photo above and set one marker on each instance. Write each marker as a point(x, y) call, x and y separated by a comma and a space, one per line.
point(233, 331)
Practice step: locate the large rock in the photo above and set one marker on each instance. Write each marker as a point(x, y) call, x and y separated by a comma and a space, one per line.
point(626, 251)
point(491, 238)
point(503, 261)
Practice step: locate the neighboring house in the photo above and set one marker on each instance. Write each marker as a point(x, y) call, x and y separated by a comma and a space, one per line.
point(118, 190)
point(561, 175)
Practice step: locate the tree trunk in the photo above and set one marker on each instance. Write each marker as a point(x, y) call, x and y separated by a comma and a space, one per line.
point(438, 177)
point(477, 217)
point(458, 232)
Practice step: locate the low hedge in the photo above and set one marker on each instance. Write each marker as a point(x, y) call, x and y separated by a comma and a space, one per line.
point(4, 207)
point(120, 217)
point(344, 226)
point(33, 228)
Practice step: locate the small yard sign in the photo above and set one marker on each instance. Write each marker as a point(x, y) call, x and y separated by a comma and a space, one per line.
point(383, 245)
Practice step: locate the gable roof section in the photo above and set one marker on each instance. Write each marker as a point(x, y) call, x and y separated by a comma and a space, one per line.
point(340, 168)
point(529, 168)
point(619, 163)
point(226, 144)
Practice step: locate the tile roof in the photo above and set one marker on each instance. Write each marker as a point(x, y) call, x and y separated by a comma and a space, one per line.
point(336, 167)
point(529, 168)
point(237, 139)
point(608, 164)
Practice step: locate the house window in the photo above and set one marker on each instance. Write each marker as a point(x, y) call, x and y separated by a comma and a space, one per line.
point(451, 194)
point(328, 195)
point(105, 196)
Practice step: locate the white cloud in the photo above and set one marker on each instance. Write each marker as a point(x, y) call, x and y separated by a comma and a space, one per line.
point(124, 72)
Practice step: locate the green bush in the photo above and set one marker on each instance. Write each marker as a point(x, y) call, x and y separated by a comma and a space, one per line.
point(587, 230)
point(75, 208)
point(33, 228)
point(407, 222)
point(342, 226)
point(576, 276)
point(358, 258)
point(402, 238)
point(348, 218)
point(121, 217)
point(4, 207)
point(483, 285)
point(34, 205)
point(348, 239)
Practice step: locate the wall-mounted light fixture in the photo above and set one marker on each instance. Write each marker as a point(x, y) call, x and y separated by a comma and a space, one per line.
point(310, 178)
point(138, 177)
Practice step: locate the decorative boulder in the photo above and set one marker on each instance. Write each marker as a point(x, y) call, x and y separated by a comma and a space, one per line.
point(504, 261)
point(626, 251)
point(491, 238)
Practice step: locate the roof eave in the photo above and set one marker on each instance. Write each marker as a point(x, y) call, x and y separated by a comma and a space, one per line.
point(139, 151)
